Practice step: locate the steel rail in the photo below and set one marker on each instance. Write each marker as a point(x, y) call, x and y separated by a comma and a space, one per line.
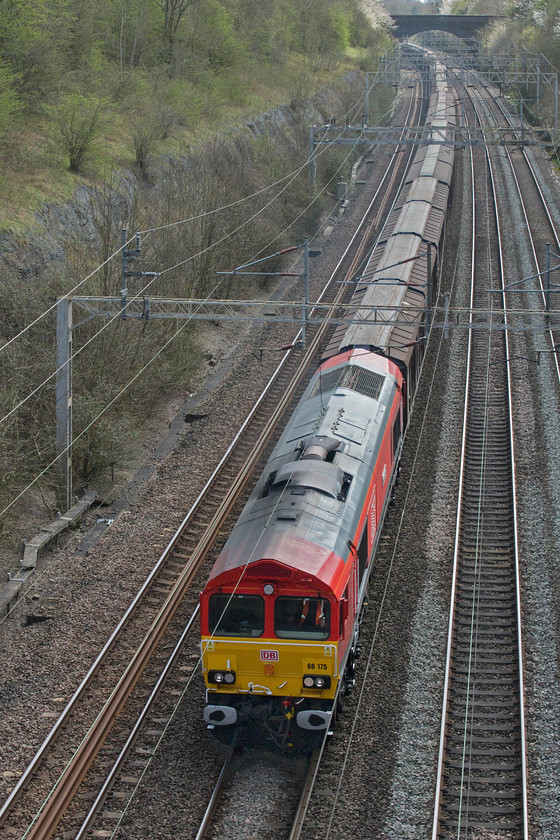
point(216, 796)
point(307, 790)
point(525, 215)
point(50, 815)
point(462, 465)
point(135, 731)
point(521, 686)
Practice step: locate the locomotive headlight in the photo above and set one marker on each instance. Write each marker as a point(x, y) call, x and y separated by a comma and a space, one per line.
point(319, 683)
point(221, 677)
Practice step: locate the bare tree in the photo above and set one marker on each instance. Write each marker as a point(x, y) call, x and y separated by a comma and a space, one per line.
point(173, 12)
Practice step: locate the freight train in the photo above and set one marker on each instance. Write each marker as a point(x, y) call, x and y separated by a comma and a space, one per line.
point(281, 611)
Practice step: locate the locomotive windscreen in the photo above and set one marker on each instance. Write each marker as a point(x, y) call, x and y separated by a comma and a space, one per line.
point(236, 615)
point(302, 618)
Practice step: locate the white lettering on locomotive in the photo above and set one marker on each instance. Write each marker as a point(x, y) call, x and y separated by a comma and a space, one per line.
point(373, 515)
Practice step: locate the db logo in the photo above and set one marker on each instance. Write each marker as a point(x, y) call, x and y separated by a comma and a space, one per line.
point(270, 655)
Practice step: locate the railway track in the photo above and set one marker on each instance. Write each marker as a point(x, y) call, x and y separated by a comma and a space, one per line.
point(542, 234)
point(296, 773)
point(44, 797)
point(482, 782)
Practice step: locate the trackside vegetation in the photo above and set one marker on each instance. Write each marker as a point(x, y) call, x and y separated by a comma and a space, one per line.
point(83, 82)
point(137, 114)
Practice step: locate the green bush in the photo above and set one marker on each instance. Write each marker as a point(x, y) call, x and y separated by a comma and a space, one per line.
point(79, 121)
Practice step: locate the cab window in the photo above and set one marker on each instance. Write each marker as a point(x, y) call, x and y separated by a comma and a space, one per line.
point(302, 618)
point(236, 615)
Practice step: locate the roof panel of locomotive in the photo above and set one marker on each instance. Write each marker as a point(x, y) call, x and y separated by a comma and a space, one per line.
point(298, 515)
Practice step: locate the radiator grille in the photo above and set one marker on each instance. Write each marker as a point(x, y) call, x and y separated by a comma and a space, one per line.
point(365, 382)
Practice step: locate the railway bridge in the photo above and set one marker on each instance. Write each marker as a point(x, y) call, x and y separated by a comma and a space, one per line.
point(464, 26)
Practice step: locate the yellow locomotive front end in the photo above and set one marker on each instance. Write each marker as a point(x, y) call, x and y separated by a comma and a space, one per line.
point(271, 661)
point(270, 667)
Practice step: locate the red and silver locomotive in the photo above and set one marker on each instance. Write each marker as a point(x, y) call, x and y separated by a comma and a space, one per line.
point(281, 610)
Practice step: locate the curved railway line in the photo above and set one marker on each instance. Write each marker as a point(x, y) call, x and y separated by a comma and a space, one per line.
point(45, 793)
